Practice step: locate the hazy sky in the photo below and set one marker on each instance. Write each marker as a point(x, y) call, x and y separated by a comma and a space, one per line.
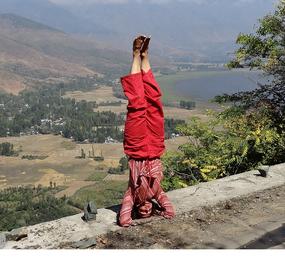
point(118, 1)
point(74, 2)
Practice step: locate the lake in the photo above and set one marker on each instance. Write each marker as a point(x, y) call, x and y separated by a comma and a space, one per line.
point(204, 85)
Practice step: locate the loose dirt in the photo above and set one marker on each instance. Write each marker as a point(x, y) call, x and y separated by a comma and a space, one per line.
point(206, 227)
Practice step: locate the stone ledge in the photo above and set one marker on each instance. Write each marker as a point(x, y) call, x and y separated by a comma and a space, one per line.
point(73, 232)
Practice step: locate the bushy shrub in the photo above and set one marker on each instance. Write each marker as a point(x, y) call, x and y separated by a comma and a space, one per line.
point(232, 142)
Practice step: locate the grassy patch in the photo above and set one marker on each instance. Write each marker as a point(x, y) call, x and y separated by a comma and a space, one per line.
point(103, 193)
point(101, 167)
point(97, 176)
point(68, 145)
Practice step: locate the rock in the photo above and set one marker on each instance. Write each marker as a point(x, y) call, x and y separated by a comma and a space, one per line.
point(263, 170)
point(2, 239)
point(17, 234)
point(90, 211)
point(85, 243)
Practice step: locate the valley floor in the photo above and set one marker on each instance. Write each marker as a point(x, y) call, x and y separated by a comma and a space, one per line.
point(60, 164)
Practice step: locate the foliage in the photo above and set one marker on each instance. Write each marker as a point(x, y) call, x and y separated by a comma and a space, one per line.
point(7, 149)
point(251, 131)
point(170, 126)
point(123, 165)
point(103, 193)
point(187, 104)
point(115, 170)
point(33, 157)
point(265, 50)
point(173, 176)
point(45, 111)
point(21, 206)
point(232, 142)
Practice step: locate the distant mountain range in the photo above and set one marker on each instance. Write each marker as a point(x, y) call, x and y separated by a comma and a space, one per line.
point(196, 30)
point(31, 51)
point(52, 39)
point(48, 13)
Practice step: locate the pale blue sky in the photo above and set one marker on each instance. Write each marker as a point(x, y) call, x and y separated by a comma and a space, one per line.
point(74, 2)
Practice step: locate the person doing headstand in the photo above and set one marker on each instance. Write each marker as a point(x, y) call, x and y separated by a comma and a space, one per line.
point(143, 139)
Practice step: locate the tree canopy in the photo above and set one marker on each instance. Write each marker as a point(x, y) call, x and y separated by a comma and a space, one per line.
point(263, 50)
point(248, 133)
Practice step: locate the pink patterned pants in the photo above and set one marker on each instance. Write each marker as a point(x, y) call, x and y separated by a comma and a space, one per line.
point(144, 185)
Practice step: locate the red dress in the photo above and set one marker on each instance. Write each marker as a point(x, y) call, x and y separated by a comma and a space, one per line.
point(144, 144)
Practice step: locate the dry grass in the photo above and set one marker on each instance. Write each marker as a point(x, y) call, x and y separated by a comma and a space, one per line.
point(184, 114)
point(115, 109)
point(11, 83)
point(105, 93)
point(101, 94)
point(61, 166)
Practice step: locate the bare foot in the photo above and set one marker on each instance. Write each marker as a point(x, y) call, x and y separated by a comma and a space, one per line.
point(136, 64)
point(137, 45)
point(144, 49)
point(144, 56)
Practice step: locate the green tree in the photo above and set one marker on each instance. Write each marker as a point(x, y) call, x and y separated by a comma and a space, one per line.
point(7, 149)
point(124, 163)
point(251, 131)
point(263, 50)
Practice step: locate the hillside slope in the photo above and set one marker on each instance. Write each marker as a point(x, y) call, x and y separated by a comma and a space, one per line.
point(48, 13)
point(205, 30)
point(196, 30)
point(30, 51)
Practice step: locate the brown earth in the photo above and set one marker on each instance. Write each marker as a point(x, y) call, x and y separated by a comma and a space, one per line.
point(205, 227)
point(11, 83)
point(60, 165)
point(32, 52)
point(101, 94)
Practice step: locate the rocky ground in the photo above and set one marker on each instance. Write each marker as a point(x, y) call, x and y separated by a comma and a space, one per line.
point(228, 224)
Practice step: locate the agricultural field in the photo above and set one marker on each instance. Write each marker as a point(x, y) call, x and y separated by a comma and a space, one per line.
point(60, 163)
point(99, 95)
point(104, 93)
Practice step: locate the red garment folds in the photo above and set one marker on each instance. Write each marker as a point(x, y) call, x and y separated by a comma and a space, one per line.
point(144, 126)
point(144, 144)
point(144, 185)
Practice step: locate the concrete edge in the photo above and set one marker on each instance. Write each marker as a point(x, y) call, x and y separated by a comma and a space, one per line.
point(73, 232)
